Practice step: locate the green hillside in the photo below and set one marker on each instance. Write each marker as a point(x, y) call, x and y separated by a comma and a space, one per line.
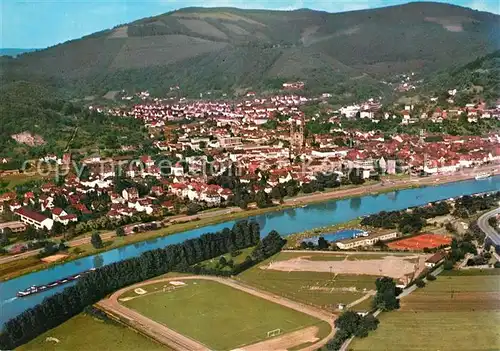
point(476, 81)
point(63, 125)
point(230, 49)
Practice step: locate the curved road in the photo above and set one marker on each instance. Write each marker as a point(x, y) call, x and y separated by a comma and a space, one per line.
point(487, 229)
point(181, 342)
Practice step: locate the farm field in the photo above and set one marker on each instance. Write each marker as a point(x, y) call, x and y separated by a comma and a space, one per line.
point(433, 331)
point(12, 180)
point(458, 311)
point(322, 289)
point(200, 307)
point(83, 332)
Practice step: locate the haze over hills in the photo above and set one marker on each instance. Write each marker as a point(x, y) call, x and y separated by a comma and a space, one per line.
point(230, 49)
point(14, 51)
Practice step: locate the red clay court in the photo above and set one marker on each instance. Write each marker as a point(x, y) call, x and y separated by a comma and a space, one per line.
point(419, 242)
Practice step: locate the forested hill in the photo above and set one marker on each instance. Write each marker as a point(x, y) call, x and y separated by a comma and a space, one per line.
point(229, 49)
point(31, 108)
point(475, 81)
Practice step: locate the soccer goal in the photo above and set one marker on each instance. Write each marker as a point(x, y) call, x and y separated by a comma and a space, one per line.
point(274, 332)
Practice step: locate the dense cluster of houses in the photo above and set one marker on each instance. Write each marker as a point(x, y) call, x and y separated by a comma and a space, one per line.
point(264, 138)
point(157, 113)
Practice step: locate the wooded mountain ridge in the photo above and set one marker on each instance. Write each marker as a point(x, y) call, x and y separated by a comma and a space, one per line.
point(233, 50)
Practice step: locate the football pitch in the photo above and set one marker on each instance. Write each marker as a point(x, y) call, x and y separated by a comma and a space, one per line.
point(217, 315)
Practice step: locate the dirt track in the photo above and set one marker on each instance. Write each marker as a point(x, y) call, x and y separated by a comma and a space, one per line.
point(178, 341)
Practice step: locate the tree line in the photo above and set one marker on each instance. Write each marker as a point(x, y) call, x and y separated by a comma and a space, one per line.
point(407, 222)
point(351, 323)
point(468, 205)
point(268, 246)
point(95, 285)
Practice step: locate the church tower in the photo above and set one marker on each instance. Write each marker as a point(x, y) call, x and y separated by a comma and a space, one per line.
point(297, 134)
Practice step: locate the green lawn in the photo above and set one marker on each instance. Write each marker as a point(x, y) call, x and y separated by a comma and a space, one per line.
point(14, 180)
point(363, 306)
point(217, 315)
point(237, 259)
point(321, 289)
point(458, 311)
point(83, 332)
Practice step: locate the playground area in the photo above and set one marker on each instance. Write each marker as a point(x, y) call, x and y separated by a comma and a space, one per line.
point(420, 242)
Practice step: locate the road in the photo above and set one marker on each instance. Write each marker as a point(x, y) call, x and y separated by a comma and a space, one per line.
point(111, 234)
point(180, 342)
point(71, 243)
point(487, 229)
point(393, 184)
point(404, 293)
point(311, 198)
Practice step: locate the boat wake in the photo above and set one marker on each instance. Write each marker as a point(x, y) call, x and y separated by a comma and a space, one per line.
point(8, 300)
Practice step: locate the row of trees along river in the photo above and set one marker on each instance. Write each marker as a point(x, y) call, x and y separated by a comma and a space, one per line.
point(94, 286)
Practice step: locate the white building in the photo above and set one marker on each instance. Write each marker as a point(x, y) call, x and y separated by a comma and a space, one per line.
point(365, 241)
point(35, 219)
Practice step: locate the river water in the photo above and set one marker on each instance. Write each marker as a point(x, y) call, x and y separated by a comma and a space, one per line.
point(286, 222)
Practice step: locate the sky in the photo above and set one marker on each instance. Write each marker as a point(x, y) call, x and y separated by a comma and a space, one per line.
point(43, 23)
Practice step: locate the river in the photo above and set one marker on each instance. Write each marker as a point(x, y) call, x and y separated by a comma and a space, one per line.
point(286, 222)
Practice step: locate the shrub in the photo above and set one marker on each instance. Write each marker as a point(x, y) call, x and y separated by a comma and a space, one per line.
point(448, 265)
point(420, 283)
point(120, 231)
point(96, 240)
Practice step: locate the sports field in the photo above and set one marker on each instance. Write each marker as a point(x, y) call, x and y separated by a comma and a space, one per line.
point(458, 311)
point(321, 289)
point(84, 332)
point(217, 315)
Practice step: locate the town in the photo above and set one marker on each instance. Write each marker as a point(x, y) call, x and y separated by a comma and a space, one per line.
point(247, 153)
point(273, 178)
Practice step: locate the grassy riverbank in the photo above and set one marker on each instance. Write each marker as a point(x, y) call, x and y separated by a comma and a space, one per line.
point(294, 240)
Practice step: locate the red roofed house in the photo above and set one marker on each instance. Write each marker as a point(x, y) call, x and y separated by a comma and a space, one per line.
point(58, 212)
point(67, 219)
point(169, 205)
point(130, 194)
point(157, 190)
point(37, 220)
point(82, 208)
point(7, 196)
point(435, 259)
point(147, 160)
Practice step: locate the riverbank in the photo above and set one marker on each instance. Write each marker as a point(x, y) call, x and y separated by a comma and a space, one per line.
point(294, 240)
point(81, 247)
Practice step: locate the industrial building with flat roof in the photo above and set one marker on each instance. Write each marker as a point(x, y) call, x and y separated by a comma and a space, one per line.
point(365, 240)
